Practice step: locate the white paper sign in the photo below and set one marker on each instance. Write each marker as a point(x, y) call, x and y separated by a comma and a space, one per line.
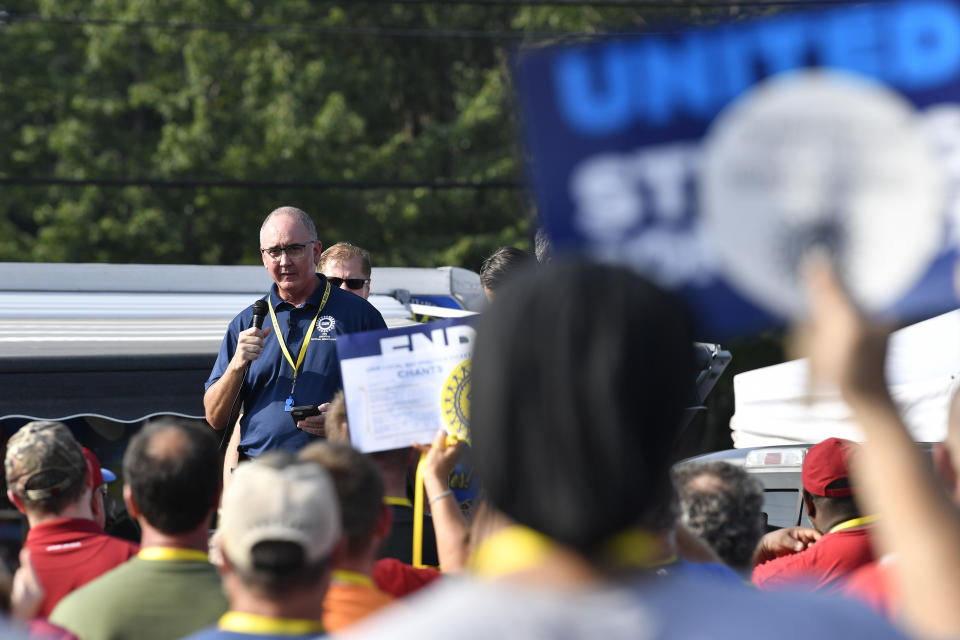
point(402, 385)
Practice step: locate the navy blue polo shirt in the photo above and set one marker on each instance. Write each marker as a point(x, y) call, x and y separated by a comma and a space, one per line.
point(265, 424)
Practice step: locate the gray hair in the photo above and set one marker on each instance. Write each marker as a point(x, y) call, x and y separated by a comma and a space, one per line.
point(299, 214)
point(722, 504)
point(541, 246)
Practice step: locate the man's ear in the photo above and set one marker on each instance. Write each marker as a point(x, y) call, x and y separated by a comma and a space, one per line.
point(339, 553)
point(809, 505)
point(96, 506)
point(266, 260)
point(217, 556)
point(216, 503)
point(317, 250)
point(12, 497)
point(128, 500)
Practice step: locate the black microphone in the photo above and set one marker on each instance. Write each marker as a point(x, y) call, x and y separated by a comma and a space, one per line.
point(259, 313)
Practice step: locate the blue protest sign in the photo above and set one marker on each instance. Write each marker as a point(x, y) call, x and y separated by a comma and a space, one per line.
point(715, 159)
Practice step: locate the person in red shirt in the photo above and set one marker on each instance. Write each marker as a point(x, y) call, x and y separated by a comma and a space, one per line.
point(819, 559)
point(400, 579)
point(51, 481)
point(873, 584)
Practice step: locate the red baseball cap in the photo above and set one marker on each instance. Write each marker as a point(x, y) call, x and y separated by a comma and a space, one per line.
point(824, 464)
point(96, 475)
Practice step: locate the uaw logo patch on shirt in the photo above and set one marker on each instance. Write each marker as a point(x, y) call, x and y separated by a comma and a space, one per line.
point(325, 328)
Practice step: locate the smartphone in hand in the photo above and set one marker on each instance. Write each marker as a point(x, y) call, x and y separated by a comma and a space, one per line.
point(304, 411)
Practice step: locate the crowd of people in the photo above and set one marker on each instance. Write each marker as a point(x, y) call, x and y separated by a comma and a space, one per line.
point(583, 529)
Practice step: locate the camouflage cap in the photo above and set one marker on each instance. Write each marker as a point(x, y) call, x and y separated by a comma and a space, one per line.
point(43, 459)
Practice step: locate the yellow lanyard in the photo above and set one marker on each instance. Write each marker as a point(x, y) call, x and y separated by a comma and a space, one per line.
point(519, 548)
point(417, 557)
point(173, 553)
point(306, 339)
point(252, 623)
point(510, 550)
point(638, 548)
point(418, 514)
point(856, 522)
point(352, 577)
point(397, 501)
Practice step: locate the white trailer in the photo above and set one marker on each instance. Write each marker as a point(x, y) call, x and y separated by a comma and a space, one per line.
point(126, 342)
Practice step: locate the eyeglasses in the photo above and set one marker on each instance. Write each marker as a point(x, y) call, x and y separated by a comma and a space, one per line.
point(293, 251)
point(352, 283)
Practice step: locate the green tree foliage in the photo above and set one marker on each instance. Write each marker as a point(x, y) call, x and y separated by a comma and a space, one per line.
point(283, 91)
point(116, 101)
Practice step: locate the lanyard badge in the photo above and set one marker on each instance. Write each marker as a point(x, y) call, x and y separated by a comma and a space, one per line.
point(288, 404)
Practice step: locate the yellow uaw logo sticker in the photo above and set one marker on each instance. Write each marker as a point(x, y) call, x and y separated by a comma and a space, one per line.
point(455, 399)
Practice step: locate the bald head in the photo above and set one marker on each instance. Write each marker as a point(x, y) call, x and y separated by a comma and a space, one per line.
point(172, 469)
point(291, 212)
point(167, 443)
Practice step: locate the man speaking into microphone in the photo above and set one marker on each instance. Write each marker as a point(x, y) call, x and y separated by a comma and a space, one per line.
point(291, 363)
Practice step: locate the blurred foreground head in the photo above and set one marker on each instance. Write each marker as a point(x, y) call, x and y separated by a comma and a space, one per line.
point(279, 525)
point(580, 375)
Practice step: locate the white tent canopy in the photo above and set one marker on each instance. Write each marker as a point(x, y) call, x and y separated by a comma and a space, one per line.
point(774, 406)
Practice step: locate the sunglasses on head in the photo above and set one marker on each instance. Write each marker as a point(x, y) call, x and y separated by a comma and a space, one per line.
point(352, 283)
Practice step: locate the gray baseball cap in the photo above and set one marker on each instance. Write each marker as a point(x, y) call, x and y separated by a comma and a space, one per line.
point(275, 498)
